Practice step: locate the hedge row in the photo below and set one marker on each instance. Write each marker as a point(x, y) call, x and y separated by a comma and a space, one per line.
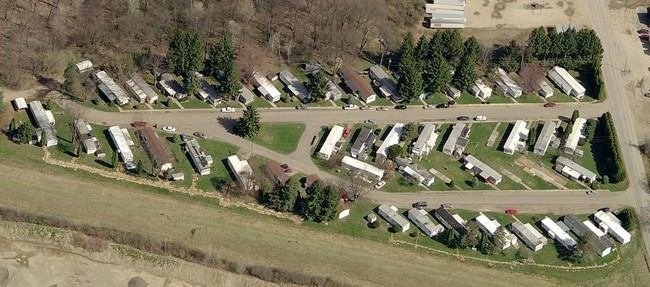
point(614, 161)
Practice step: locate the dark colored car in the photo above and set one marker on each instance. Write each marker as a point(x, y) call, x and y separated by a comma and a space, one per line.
point(550, 105)
point(400, 107)
point(642, 31)
point(301, 107)
point(199, 135)
point(284, 165)
point(420, 204)
point(442, 106)
point(644, 36)
point(463, 118)
point(183, 137)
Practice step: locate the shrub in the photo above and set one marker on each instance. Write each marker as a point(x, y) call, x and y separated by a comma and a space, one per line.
point(375, 224)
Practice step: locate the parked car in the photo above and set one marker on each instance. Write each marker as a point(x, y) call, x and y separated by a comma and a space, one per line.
point(284, 165)
point(183, 137)
point(644, 36)
point(301, 107)
point(400, 107)
point(442, 106)
point(642, 31)
point(346, 133)
point(377, 132)
point(550, 105)
point(228, 110)
point(350, 107)
point(480, 118)
point(380, 184)
point(382, 108)
point(591, 191)
point(604, 209)
point(511, 211)
point(420, 204)
point(169, 129)
point(463, 118)
point(370, 122)
point(138, 124)
point(199, 135)
point(447, 205)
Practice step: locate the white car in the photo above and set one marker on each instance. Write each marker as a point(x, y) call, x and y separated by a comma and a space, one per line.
point(228, 110)
point(480, 118)
point(382, 108)
point(169, 129)
point(380, 184)
point(350, 107)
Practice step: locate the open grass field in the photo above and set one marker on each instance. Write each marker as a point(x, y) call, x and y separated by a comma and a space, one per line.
point(466, 98)
point(282, 138)
point(499, 98)
point(194, 103)
point(530, 98)
point(437, 98)
point(260, 103)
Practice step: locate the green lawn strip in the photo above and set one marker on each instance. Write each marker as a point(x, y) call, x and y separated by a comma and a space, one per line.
point(194, 103)
point(530, 98)
point(260, 103)
point(320, 103)
point(381, 101)
point(100, 106)
point(279, 137)
point(233, 104)
point(466, 98)
point(158, 105)
point(437, 98)
point(218, 172)
point(181, 162)
point(559, 97)
point(499, 98)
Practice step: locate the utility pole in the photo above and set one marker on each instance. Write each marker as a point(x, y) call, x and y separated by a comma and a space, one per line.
point(381, 51)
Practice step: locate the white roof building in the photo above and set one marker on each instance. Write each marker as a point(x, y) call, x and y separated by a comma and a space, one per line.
point(602, 244)
point(392, 138)
point(577, 132)
point(242, 171)
point(517, 139)
point(361, 168)
point(207, 92)
point(556, 232)
point(111, 90)
point(44, 122)
point(566, 82)
point(266, 88)
point(479, 89)
point(385, 83)
point(389, 213)
point(491, 228)
point(295, 87)
point(453, 92)
point(608, 222)
point(334, 92)
point(330, 145)
point(444, 5)
point(84, 66)
point(545, 137)
point(20, 103)
point(545, 90)
point(457, 140)
point(200, 160)
point(170, 87)
point(508, 85)
point(87, 137)
point(422, 220)
point(140, 90)
point(573, 170)
point(481, 170)
point(418, 173)
point(122, 140)
point(529, 235)
point(245, 95)
point(426, 141)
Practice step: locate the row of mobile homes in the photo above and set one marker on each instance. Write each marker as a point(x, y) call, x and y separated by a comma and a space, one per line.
point(170, 87)
point(44, 123)
point(365, 140)
point(481, 170)
point(385, 83)
point(201, 161)
point(418, 173)
point(389, 213)
point(422, 220)
point(242, 171)
point(529, 235)
point(122, 142)
point(295, 87)
point(481, 90)
point(558, 233)
point(492, 229)
point(457, 140)
point(334, 93)
point(517, 138)
point(157, 150)
point(602, 244)
point(545, 137)
point(573, 170)
point(426, 141)
point(566, 82)
point(140, 90)
point(392, 138)
point(451, 221)
point(331, 144)
point(111, 90)
point(266, 88)
point(88, 139)
point(245, 95)
point(362, 169)
point(612, 225)
point(84, 66)
point(508, 85)
point(577, 133)
point(357, 85)
point(545, 89)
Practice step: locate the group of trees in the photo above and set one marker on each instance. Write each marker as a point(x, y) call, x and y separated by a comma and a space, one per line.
point(613, 164)
point(21, 133)
point(581, 45)
point(434, 63)
point(186, 55)
point(222, 66)
point(317, 203)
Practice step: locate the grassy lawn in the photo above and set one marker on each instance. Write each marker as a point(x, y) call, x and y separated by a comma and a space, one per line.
point(498, 98)
point(559, 97)
point(437, 98)
point(466, 98)
point(320, 103)
point(381, 101)
point(282, 138)
point(194, 103)
point(133, 105)
point(101, 105)
point(158, 105)
point(349, 99)
point(530, 98)
point(260, 103)
point(219, 172)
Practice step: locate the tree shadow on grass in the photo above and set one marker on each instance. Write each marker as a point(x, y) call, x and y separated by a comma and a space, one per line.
point(103, 163)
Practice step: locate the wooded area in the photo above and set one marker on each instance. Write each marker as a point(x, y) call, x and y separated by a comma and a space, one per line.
point(119, 34)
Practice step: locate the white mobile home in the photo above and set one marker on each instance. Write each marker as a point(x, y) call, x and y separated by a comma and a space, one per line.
point(392, 138)
point(421, 219)
point(266, 88)
point(207, 92)
point(545, 137)
point(491, 228)
point(384, 83)
point(245, 95)
point(481, 170)
point(612, 225)
point(87, 137)
point(44, 123)
point(517, 139)
point(453, 93)
point(436, 5)
point(295, 87)
point(200, 160)
point(170, 87)
point(140, 90)
point(389, 213)
point(110, 89)
point(529, 235)
point(84, 66)
point(334, 92)
point(577, 133)
point(566, 82)
point(330, 145)
point(418, 173)
point(242, 171)
point(426, 141)
point(480, 90)
point(20, 104)
point(556, 232)
point(457, 140)
point(508, 85)
point(122, 140)
point(573, 170)
point(545, 90)
point(366, 170)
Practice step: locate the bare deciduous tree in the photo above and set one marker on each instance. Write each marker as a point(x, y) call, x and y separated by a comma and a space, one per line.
point(252, 59)
point(530, 75)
